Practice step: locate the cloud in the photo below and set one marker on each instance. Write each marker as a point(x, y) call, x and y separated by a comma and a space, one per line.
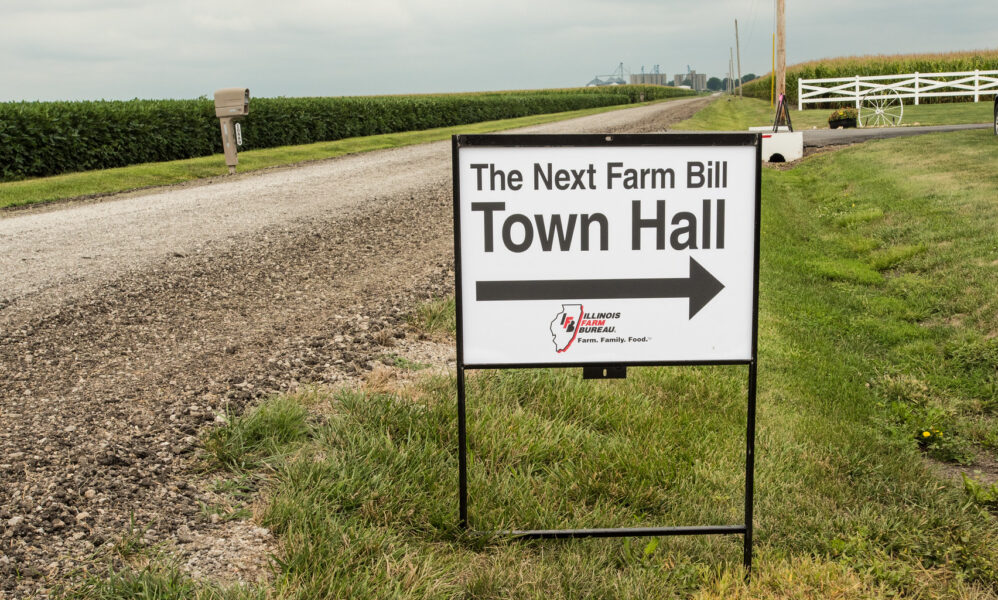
point(54, 49)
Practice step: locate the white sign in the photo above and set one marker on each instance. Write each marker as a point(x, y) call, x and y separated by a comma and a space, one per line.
point(607, 253)
point(239, 135)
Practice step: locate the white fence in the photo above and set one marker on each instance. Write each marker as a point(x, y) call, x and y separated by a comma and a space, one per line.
point(913, 85)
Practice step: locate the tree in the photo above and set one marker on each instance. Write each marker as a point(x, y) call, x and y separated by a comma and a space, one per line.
point(714, 84)
point(749, 77)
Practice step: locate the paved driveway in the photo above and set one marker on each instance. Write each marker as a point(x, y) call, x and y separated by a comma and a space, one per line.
point(816, 138)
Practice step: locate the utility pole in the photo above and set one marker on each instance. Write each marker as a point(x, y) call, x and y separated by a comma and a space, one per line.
point(731, 68)
point(772, 76)
point(727, 78)
point(738, 53)
point(781, 49)
point(782, 111)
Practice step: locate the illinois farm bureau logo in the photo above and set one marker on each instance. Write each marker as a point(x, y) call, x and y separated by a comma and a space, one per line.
point(565, 326)
point(573, 320)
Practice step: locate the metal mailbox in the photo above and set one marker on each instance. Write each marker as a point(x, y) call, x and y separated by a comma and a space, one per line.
point(231, 104)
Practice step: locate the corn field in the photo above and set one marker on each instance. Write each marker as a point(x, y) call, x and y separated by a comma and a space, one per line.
point(881, 64)
point(47, 138)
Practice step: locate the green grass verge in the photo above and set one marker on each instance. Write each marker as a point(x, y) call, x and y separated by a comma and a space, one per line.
point(737, 114)
point(112, 181)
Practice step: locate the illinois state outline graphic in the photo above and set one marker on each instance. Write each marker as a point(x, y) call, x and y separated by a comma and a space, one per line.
point(565, 326)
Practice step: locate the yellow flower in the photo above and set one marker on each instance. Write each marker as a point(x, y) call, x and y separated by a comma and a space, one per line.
point(926, 434)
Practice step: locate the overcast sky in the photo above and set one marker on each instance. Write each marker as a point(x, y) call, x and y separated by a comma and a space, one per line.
point(118, 49)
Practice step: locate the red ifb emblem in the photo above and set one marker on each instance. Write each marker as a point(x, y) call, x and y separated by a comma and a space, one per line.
point(565, 326)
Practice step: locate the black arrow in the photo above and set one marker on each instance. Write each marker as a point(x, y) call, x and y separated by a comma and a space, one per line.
point(700, 287)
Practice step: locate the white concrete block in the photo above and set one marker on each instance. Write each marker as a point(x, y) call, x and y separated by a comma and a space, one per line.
point(783, 147)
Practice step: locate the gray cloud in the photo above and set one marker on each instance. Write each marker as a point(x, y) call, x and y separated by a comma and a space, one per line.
point(65, 49)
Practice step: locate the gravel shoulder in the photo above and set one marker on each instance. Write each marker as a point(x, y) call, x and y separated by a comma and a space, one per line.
point(129, 325)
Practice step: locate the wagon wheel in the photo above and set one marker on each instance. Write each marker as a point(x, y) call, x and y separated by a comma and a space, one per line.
point(881, 108)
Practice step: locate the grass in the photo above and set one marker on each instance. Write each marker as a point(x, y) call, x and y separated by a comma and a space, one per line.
point(260, 435)
point(878, 321)
point(129, 568)
point(982, 494)
point(112, 181)
point(737, 114)
point(402, 363)
point(158, 580)
point(437, 318)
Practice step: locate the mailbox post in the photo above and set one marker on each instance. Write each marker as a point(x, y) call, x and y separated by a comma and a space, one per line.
point(231, 104)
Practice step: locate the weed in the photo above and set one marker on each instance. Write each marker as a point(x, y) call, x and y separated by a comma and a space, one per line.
point(160, 580)
point(401, 362)
point(384, 337)
point(974, 354)
point(241, 486)
point(913, 412)
point(890, 257)
point(845, 269)
point(981, 494)
point(854, 218)
point(224, 513)
point(436, 318)
point(130, 544)
point(905, 389)
point(262, 435)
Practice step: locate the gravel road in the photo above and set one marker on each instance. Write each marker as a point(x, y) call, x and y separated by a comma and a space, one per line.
point(55, 254)
point(129, 325)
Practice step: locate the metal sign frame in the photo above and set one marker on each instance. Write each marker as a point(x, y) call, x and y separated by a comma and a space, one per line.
point(612, 369)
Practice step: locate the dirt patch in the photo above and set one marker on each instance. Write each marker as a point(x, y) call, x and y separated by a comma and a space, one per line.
point(808, 153)
point(104, 398)
point(236, 552)
point(984, 470)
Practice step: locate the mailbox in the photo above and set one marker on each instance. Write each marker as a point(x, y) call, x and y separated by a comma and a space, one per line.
point(231, 104)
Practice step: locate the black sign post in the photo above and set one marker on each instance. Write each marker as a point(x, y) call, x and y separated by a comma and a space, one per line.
point(698, 289)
